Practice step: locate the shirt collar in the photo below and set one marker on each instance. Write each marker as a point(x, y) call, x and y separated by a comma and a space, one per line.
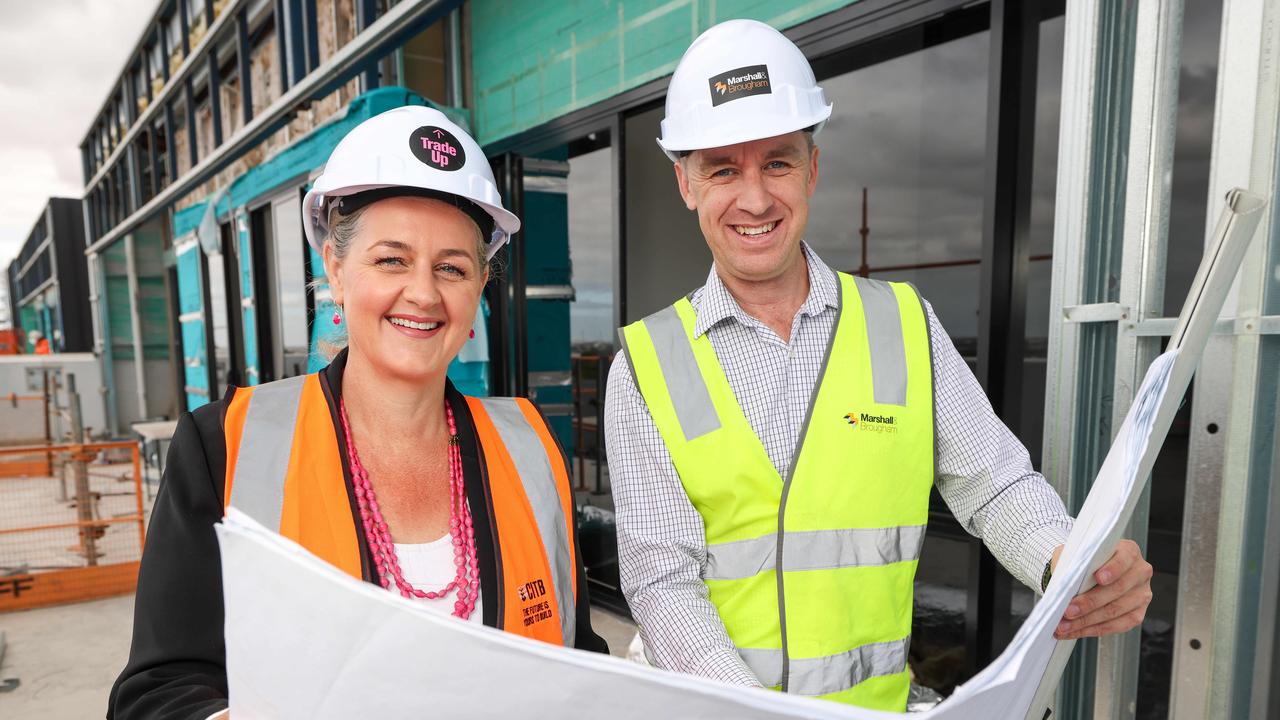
point(715, 303)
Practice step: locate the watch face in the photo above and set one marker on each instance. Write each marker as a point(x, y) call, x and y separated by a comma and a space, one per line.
point(1048, 573)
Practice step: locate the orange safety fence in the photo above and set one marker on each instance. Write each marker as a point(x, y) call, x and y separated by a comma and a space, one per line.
point(74, 533)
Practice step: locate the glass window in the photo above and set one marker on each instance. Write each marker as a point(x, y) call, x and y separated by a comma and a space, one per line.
point(911, 132)
point(900, 197)
point(591, 246)
point(422, 63)
point(289, 276)
point(217, 314)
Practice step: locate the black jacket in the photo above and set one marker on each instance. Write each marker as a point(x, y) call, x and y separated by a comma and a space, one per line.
point(176, 666)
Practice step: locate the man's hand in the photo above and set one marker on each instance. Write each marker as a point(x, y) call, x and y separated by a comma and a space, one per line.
point(1119, 601)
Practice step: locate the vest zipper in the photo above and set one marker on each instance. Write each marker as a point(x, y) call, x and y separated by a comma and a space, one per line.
point(786, 487)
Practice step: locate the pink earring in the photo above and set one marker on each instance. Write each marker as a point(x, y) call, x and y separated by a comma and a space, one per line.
point(337, 317)
point(473, 334)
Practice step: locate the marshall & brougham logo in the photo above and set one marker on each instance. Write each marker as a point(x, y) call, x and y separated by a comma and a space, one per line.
point(740, 83)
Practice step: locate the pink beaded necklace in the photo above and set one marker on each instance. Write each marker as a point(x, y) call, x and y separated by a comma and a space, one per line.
point(466, 581)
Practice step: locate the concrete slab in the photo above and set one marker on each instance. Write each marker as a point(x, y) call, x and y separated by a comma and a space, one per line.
point(65, 658)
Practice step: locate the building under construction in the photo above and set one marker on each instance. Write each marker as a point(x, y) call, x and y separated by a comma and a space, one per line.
point(1045, 174)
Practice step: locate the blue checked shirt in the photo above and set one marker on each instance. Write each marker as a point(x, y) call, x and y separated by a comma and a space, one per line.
point(982, 471)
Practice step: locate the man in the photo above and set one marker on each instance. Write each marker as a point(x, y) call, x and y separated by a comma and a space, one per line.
point(773, 438)
point(39, 345)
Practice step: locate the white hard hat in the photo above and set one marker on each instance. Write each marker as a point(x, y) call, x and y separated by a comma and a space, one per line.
point(739, 81)
point(411, 150)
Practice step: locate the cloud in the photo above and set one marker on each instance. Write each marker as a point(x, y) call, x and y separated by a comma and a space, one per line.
point(60, 60)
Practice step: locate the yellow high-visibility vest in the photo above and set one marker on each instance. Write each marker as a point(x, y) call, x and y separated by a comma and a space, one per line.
point(847, 523)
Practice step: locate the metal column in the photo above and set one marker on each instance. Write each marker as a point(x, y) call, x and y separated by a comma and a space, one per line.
point(1152, 129)
point(1098, 39)
point(455, 93)
point(1229, 476)
point(139, 360)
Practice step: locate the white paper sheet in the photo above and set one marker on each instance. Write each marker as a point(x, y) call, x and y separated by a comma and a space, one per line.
point(305, 640)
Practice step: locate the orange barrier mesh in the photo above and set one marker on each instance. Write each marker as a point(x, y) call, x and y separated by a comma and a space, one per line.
point(75, 532)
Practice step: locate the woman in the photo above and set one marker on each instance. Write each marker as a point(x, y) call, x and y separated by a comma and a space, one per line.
point(375, 464)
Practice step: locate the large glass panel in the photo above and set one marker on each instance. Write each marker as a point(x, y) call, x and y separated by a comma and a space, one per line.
point(900, 197)
point(592, 255)
point(423, 63)
point(591, 246)
point(288, 248)
point(217, 312)
point(911, 132)
point(1044, 176)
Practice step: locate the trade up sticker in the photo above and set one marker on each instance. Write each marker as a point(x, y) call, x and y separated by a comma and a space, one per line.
point(437, 147)
point(740, 83)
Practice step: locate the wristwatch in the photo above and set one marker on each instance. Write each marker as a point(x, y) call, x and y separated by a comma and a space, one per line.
point(1048, 573)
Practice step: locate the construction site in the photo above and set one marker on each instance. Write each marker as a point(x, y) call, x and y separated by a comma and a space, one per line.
point(1047, 174)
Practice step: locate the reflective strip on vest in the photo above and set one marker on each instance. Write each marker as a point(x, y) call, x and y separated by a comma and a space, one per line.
point(688, 390)
point(530, 457)
point(831, 674)
point(884, 335)
point(261, 467)
point(815, 550)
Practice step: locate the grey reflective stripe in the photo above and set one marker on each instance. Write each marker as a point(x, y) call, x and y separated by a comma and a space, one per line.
point(815, 550)
point(530, 457)
point(266, 442)
point(832, 673)
point(688, 391)
point(884, 335)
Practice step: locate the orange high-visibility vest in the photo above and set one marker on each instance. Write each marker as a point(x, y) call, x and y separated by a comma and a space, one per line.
point(287, 472)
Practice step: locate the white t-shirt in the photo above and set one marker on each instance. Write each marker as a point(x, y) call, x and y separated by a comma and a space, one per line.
point(429, 566)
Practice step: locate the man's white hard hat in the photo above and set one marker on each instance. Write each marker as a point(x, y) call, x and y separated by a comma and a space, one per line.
point(740, 81)
point(411, 150)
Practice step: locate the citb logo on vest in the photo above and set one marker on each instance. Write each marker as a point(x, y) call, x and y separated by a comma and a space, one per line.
point(865, 422)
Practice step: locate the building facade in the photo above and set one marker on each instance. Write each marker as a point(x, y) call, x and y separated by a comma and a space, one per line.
point(1046, 173)
point(48, 283)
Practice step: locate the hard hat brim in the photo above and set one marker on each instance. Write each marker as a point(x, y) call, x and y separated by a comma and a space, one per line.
point(315, 212)
point(747, 132)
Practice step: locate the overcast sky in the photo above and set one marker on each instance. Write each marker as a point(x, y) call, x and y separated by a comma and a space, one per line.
point(58, 60)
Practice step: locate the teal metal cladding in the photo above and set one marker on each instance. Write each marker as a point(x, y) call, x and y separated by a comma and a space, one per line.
point(536, 60)
point(192, 316)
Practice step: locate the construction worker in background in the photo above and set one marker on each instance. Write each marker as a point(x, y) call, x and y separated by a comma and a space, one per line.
point(39, 344)
point(773, 437)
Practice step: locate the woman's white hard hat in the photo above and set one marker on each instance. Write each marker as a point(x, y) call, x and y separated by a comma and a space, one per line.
point(741, 80)
point(412, 147)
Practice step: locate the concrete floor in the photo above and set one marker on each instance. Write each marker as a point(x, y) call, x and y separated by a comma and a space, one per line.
point(66, 658)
